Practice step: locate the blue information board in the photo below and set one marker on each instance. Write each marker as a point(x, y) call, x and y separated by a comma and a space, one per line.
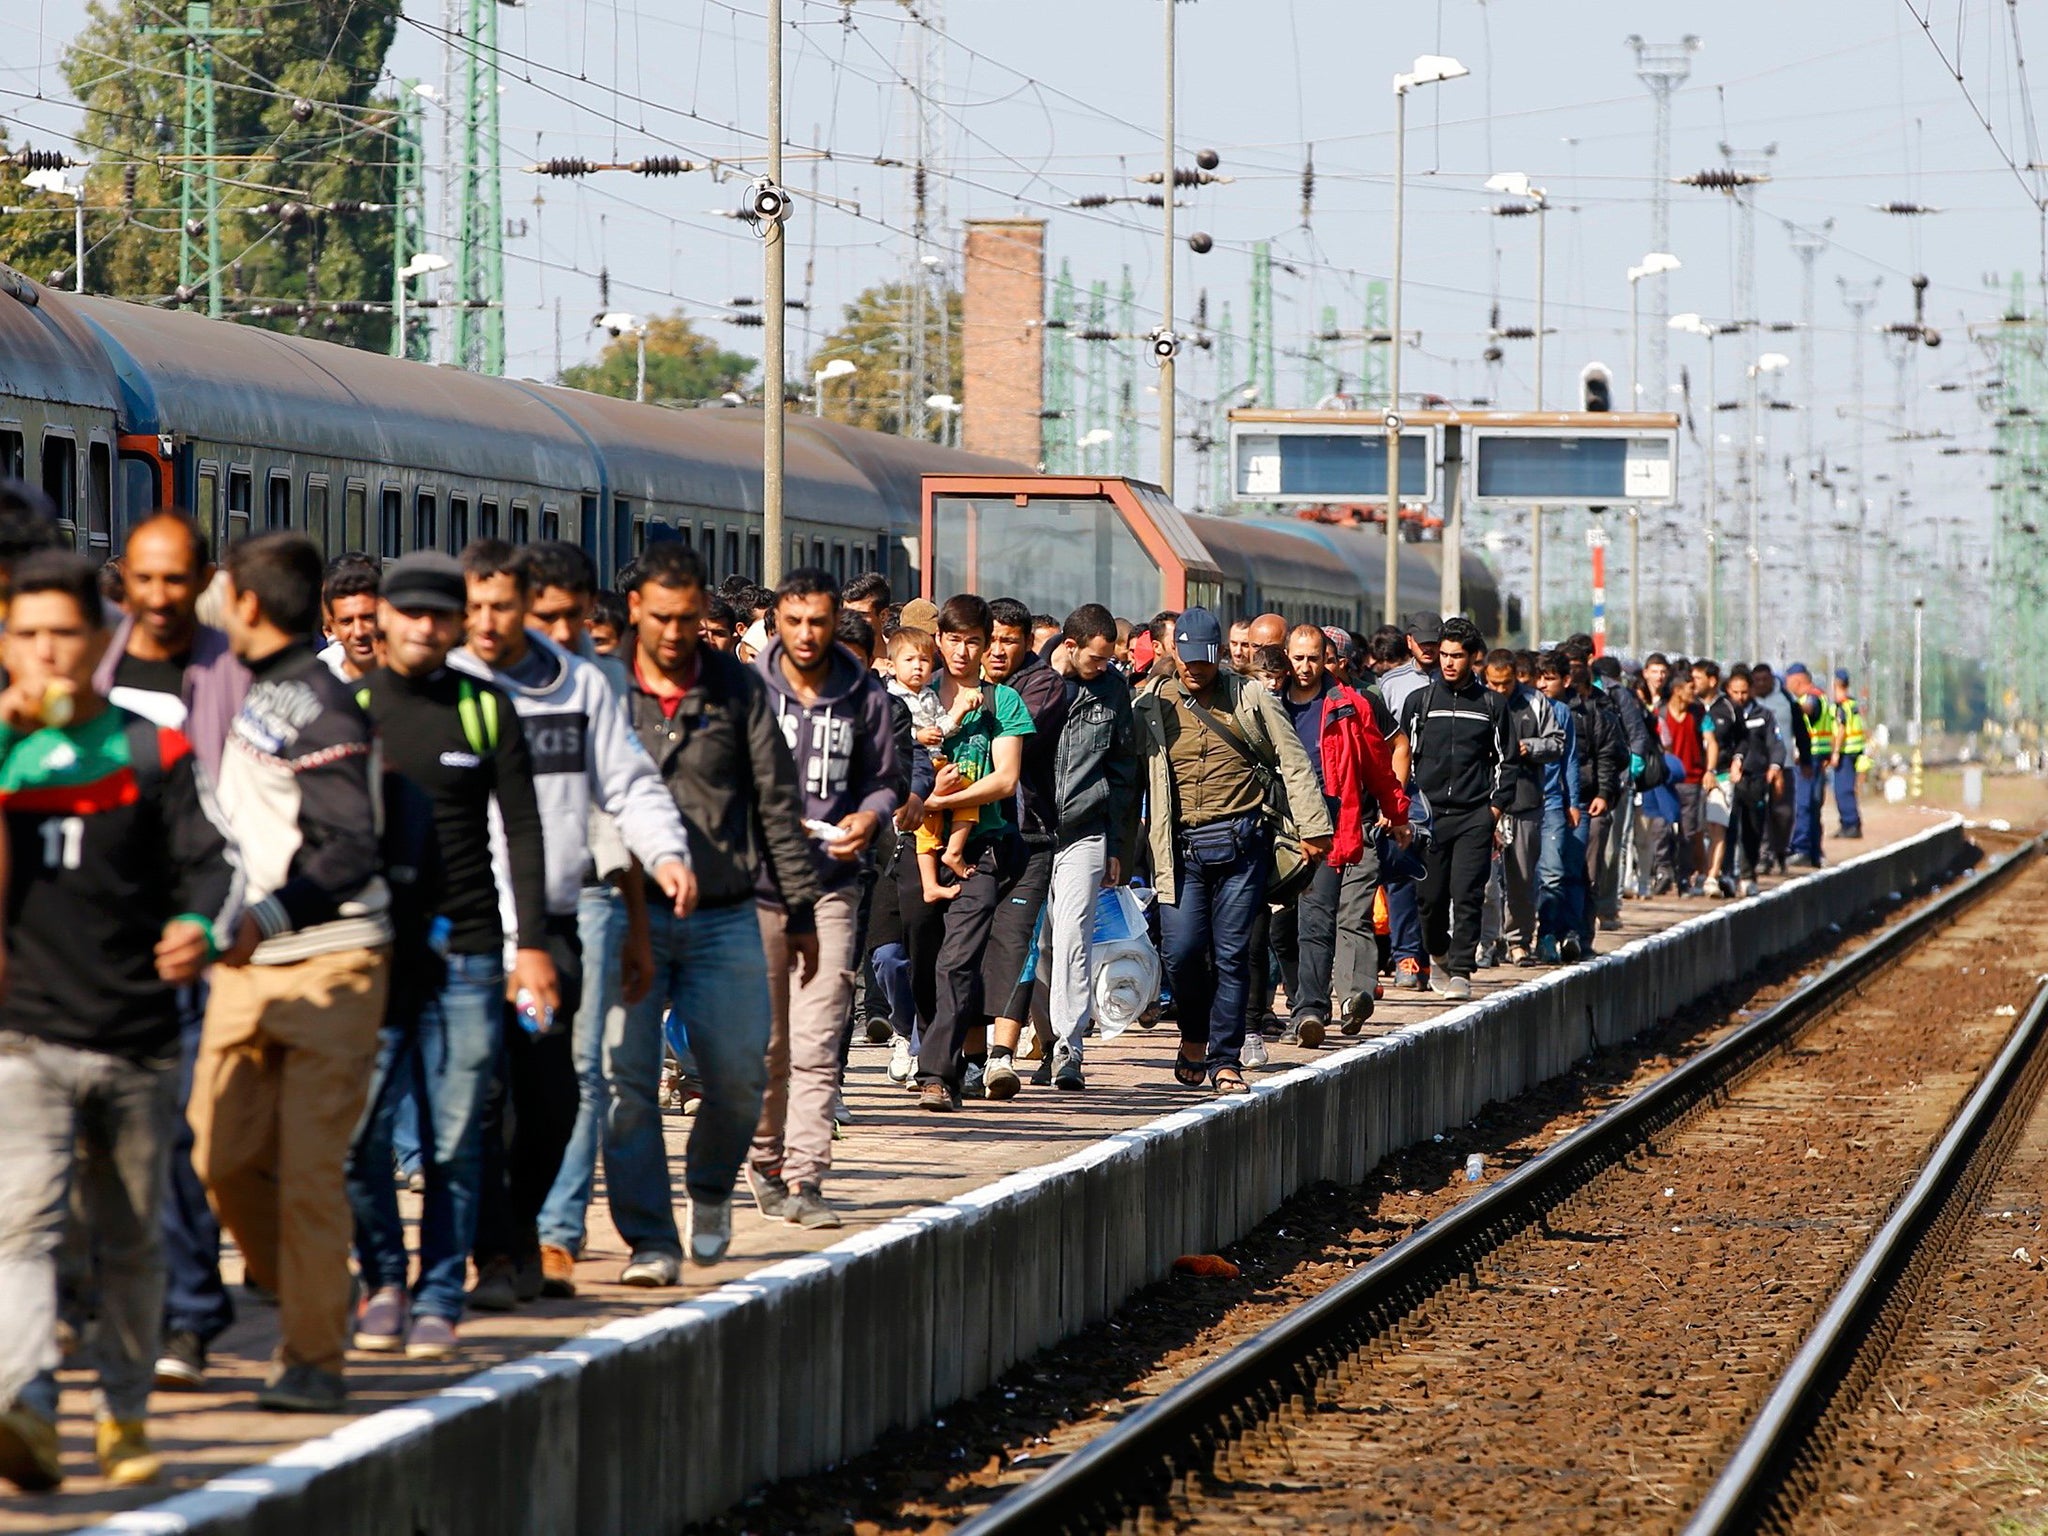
point(1599, 468)
point(1328, 464)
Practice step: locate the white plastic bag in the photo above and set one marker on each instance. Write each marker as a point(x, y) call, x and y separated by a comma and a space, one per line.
point(1122, 961)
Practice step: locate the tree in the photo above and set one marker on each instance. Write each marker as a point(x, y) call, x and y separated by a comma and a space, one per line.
point(873, 339)
point(682, 365)
point(298, 117)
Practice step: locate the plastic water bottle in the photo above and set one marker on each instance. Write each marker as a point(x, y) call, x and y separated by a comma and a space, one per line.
point(438, 933)
point(1475, 1168)
point(533, 1018)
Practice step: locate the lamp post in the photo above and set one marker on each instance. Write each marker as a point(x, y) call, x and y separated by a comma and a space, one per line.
point(1770, 362)
point(1164, 346)
point(422, 265)
point(1516, 184)
point(1656, 264)
point(68, 182)
point(1693, 325)
point(1430, 69)
point(837, 368)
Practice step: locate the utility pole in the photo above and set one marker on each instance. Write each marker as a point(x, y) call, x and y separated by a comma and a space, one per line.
point(1747, 173)
point(771, 207)
point(1807, 244)
point(199, 152)
point(1262, 324)
point(1859, 299)
point(924, 38)
point(1095, 441)
point(1056, 436)
point(1663, 68)
point(1164, 347)
point(1127, 376)
point(480, 258)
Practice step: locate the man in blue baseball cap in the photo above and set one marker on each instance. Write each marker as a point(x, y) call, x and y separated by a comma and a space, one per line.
point(1214, 746)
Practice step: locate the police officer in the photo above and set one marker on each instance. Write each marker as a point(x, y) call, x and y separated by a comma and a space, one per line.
point(1848, 758)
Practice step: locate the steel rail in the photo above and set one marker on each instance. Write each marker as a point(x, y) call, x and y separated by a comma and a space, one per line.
point(1134, 1466)
point(1775, 1466)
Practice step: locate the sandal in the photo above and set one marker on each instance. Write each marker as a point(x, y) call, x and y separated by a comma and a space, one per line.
point(1228, 1081)
point(1190, 1073)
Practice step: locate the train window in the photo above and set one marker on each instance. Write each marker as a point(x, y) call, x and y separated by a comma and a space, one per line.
point(639, 534)
point(206, 502)
point(241, 503)
point(487, 518)
point(839, 562)
point(277, 500)
point(426, 521)
point(391, 522)
point(99, 492)
point(318, 509)
point(550, 521)
point(517, 532)
point(708, 549)
point(818, 554)
point(140, 495)
point(60, 480)
point(13, 455)
point(458, 524)
point(732, 553)
point(355, 503)
point(629, 533)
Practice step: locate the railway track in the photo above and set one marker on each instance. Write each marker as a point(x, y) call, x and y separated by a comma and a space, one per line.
point(1582, 1345)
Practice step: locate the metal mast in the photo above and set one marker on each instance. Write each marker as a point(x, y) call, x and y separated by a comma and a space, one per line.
point(1096, 440)
point(1859, 299)
point(408, 217)
point(1056, 437)
point(1127, 376)
point(1662, 67)
point(1262, 324)
point(199, 152)
point(480, 262)
point(1373, 382)
point(1750, 172)
point(921, 373)
point(1807, 244)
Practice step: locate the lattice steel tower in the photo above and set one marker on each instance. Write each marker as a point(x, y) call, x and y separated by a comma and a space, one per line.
point(1663, 67)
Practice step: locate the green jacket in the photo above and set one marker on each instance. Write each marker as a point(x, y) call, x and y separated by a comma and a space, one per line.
point(1268, 732)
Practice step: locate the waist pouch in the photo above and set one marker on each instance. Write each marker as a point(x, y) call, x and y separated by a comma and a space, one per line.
point(1217, 843)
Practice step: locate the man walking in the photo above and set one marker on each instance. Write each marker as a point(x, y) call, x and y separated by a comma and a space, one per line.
point(1461, 749)
point(120, 888)
point(1214, 744)
point(290, 1038)
point(834, 716)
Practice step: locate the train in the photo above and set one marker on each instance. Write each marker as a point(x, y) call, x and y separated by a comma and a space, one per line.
point(117, 408)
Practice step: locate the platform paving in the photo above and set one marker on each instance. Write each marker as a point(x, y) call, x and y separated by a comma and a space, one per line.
point(893, 1158)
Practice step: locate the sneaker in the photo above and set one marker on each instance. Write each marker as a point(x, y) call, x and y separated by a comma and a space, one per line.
point(496, 1288)
point(651, 1270)
point(710, 1230)
point(528, 1279)
point(1697, 886)
point(31, 1457)
point(1309, 1031)
point(1408, 975)
point(808, 1207)
point(1546, 950)
point(902, 1065)
point(1520, 958)
point(380, 1321)
point(973, 1082)
point(879, 1029)
point(1444, 984)
point(303, 1389)
point(122, 1446)
point(1485, 958)
point(557, 1270)
point(1749, 887)
point(1569, 950)
point(181, 1367)
point(430, 1338)
point(1066, 1072)
point(1611, 924)
point(771, 1195)
point(938, 1095)
point(689, 1095)
point(1041, 1075)
point(999, 1079)
point(1355, 1010)
point(1661, 882)
point(1254, 1053)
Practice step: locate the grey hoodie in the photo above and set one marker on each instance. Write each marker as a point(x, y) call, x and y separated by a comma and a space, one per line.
point(585, 755)
point(844, 745)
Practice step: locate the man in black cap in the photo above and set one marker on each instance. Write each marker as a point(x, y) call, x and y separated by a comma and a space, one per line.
point(451, 744)
point(1214, 745)
point(1404, 904)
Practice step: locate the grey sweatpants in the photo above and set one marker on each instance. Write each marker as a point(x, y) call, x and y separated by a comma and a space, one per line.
point(806, 1019)
point(1077, 870)
point(103, 1123)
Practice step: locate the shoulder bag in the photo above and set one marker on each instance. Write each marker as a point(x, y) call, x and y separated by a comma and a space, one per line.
point(1292, 866)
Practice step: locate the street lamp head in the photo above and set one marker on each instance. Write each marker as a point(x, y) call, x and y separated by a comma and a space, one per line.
point(837, 368)
point(1771, 362)
point(1430, 69)
point(619, 323)
point(1514, 184)
point(1691, 323)
point(945, 404)
point(423, 263)
point(1655, 264)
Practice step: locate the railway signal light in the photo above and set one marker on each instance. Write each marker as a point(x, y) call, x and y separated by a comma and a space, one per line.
point(1596, 388)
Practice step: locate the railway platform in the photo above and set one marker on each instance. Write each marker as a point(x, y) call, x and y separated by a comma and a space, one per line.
point(628, 1410)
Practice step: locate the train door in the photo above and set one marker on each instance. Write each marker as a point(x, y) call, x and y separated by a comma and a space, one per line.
point(99, 499)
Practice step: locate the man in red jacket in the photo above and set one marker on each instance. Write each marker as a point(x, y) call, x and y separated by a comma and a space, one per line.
point(1347, 747)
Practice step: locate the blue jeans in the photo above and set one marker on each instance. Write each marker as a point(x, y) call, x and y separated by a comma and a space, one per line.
point(710, 969)
point(449, 1054)
point(1404, 921)
point(1560, 878)
point(407, 1155)
point(1206, 932)
point(891, 963)
point(601, 926)
point(1809, 795)
point(195, 1299)
point(1846, 809)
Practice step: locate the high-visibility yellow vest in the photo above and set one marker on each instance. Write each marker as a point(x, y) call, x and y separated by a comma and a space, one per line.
point(1820, 730)
point(1852, 728)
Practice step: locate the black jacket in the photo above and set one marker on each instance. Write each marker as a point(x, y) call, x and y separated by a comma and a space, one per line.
point(1462, 746)
point(1095, 762)
point(1603, 746)
point(1044, 693)
point(734, 781)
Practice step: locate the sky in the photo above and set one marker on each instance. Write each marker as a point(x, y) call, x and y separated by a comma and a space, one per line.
point(1034, 103)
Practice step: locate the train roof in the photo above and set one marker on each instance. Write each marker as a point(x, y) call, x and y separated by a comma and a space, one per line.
point(47, 352)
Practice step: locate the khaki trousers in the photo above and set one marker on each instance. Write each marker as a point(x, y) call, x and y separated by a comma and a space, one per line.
point(283, 1071)
point(794, 1137)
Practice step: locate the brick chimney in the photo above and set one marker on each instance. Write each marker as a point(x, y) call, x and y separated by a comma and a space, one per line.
point(1002, 341)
